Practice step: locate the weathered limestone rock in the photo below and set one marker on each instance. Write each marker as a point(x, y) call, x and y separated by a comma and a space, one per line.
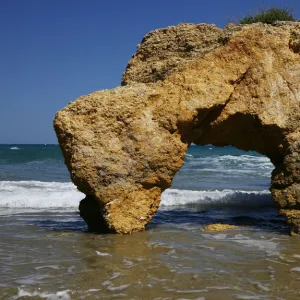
point(186, 84)
point(165, 51)
point(219, 227)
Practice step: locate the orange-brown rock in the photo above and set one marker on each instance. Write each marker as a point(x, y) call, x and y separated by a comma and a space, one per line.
point(219, 227)
point(186, 84)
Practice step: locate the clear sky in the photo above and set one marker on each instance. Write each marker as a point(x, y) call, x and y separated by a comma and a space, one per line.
point(53, 51)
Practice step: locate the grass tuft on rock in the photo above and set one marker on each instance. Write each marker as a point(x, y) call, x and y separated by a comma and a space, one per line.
point(269, 16)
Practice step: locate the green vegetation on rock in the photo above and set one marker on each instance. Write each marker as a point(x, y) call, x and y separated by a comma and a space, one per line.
point(269, 16)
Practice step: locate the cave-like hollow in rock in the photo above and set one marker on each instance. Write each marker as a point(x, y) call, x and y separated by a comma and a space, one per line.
point(220, 186)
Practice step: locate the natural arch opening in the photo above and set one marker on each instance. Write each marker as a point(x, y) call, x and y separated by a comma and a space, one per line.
point(222, 185)
point(219, 168)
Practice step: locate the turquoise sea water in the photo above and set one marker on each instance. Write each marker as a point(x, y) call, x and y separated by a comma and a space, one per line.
point(46, 251)
point(32, 162)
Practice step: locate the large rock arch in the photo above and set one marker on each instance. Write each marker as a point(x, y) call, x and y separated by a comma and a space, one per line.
point(190, 83)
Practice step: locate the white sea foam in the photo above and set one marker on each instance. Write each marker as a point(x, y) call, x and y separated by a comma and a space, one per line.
point(229, 166)
point(244, 157)
point(14, 148)
point(173, 197)
point(102, 253)
point(37, 194)
point(118, 288)
point(246, 161)
point(268, 246)
point(54, 267)
point(62, 295)
point(247, 297)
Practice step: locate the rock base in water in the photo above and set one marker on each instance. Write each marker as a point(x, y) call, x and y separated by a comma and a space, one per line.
point(92, 213)
point(219, 227)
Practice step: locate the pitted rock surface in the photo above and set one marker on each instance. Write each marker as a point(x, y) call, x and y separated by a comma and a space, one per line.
point(186, 84)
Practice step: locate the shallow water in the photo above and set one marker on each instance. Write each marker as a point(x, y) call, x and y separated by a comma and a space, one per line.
point(46, 251)
point(49, 254)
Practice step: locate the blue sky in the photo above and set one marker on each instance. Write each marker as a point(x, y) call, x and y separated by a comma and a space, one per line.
point(53, 51)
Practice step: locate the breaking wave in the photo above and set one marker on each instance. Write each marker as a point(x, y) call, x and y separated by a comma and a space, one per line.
point(37, 194)
point(217, 198)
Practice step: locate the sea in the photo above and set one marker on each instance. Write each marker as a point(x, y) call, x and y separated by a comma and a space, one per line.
point(47, 252)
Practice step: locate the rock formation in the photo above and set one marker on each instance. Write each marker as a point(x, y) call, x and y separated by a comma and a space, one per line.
point(186, 84)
